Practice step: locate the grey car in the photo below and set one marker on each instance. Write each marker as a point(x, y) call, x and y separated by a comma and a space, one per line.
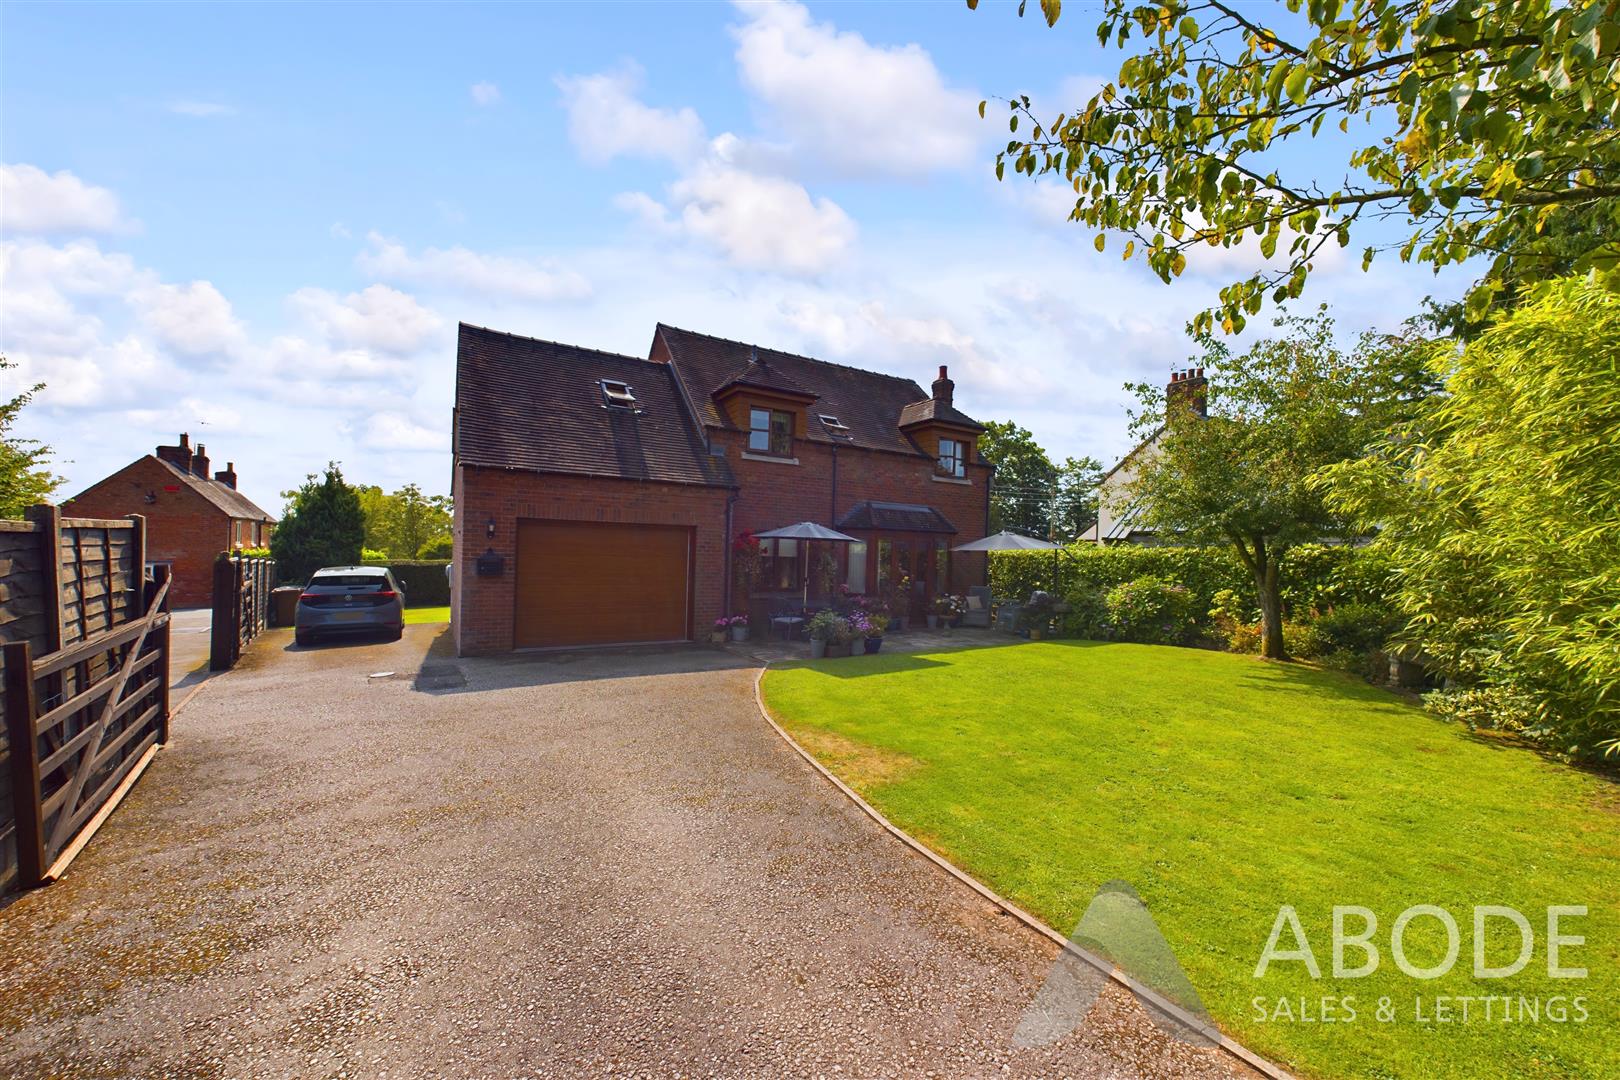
point(350, 600)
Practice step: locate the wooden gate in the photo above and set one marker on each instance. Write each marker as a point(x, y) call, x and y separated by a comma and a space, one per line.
point(242, 587)
point(85, 682)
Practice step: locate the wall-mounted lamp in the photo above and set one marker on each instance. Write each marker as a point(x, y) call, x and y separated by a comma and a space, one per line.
point(151, 497)
point(490, 528)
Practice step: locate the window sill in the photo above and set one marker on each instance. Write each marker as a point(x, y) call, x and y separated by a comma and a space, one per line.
point(938, 479)
point(772, 458)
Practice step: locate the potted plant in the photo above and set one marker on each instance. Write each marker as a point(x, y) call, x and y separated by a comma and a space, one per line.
point(896, 600)
point(1037, 615)
point(822, 626)
point(947, 609)
point(839, 635)
point(717, 635)
point(875, 624)
point(739, 627)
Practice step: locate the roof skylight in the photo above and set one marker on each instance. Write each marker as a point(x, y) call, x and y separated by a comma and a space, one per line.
point(618, 394)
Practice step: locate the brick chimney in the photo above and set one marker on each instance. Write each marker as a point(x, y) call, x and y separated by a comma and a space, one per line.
point(1188, 390)
point(227, 475)
point(199, 462)
point(943, 387)
point(178, 455)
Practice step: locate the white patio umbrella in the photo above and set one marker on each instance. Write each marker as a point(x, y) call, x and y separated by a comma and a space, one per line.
point(1011, 541)
point(808, 531)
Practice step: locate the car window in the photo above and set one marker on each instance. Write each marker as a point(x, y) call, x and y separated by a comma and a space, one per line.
point(350, 581)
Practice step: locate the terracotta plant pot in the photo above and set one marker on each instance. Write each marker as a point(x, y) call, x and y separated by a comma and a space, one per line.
point(837, 650)
point(1036, 633)
point(717, 638)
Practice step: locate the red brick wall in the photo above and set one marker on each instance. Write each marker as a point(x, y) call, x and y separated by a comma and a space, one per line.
point(775, 494)
point(482, 608)
point(182, 527)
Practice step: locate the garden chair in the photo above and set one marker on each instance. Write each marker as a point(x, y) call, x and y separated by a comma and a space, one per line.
point(786, 623)
point(978, 607)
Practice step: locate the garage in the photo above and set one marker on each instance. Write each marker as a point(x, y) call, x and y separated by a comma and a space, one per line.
point(595, 583)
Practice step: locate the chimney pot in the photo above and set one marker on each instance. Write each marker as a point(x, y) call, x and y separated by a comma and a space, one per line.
point(1188, 388)
point(185, 441)
point(943, 387)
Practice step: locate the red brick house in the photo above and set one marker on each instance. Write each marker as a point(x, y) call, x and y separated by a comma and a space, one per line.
point(600, 498)
point(190, 516)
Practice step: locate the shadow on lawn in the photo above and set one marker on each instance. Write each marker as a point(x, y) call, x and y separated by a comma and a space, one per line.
point(858, 667)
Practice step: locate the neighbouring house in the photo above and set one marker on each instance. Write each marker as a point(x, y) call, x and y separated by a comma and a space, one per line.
point(1118, 514)
point(605, 499)
point(190, 516)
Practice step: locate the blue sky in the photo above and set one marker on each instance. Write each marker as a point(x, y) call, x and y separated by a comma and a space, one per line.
point(261, 223)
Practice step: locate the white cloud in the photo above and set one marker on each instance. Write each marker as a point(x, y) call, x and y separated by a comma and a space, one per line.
point(377, 317)
point(316, 362)
point(202, 109)
point(606, 119)
point(34, 201)
point(396, 431)
point(194, 320)
point(762, 222)
point(648, 211)
point(485, 94)
point(339, 231)
point(856, 107)
point(459, 269)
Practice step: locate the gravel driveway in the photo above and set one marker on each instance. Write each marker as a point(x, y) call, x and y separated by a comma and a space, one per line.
point(515, 867)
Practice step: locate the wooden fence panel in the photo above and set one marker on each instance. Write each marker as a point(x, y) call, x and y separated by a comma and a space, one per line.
point(62, 581)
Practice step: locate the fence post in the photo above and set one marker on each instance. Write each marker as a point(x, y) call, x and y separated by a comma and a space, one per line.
point(223, 631)
point(49, 520)
point(159, 577)
point(24, 760)
point(137, 600)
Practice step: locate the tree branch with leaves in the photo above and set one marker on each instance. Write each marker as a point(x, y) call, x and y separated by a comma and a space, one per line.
point(1487, 123)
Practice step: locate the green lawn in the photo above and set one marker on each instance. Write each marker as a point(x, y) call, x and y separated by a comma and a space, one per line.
point(1221, 787)
point(415, 615)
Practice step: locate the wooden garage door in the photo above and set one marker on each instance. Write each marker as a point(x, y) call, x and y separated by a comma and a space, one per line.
point(586, 583)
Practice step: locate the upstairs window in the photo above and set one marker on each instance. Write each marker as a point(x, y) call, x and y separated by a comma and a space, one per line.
point(953, 457)
point(770, 432)
point(618, 394)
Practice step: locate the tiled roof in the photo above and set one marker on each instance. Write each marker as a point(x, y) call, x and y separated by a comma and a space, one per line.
point(919, 412)
point(868, 402)
point(900, 517)
point(221, 494)
point(522, 403)
point(765, 376)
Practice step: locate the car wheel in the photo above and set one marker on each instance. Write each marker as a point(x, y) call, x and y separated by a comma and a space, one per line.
point(304, 638)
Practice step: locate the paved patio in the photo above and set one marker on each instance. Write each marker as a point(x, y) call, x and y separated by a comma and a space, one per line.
point(777, 651)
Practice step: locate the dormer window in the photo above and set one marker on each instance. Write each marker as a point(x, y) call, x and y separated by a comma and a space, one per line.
point(770, 431)
point(618, 395)
point(952, 459)
point(835, 425)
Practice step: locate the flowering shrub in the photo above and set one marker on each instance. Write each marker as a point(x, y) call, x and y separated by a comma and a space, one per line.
point(949, 606)
point(861, 625)
point(737, 620)
point(1153, 610)
point(722, 624)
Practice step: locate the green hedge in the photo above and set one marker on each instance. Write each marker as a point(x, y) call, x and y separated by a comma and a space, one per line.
point(1314, 575)
point(424, 579)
